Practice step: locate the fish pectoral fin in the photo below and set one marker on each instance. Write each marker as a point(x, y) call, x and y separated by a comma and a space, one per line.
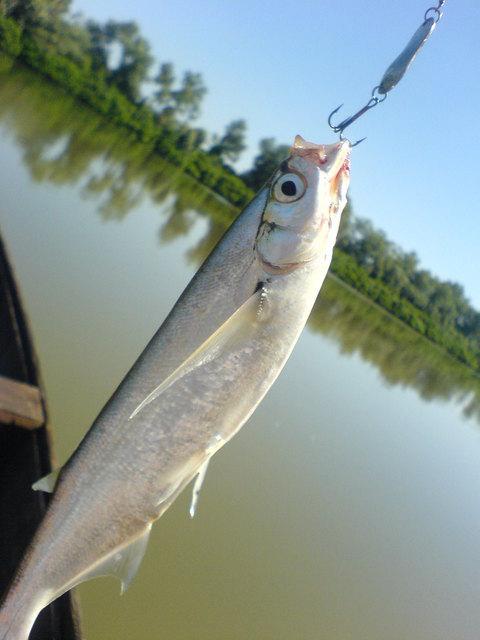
point(123, 564)
point(48, 482)
point(197, 485)
point(225, 337)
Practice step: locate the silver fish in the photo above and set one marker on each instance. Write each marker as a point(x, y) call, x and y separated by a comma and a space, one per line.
point(193, 387)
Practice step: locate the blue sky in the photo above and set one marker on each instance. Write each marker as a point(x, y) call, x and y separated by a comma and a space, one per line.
point(283, 66)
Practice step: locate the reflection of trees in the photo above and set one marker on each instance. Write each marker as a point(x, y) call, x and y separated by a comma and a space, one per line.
point(402, 356)
point(65, 144)
point(191, 201)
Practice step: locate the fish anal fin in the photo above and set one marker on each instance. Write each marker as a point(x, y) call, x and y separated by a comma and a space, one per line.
point(131, 558)
point(123, 563)
point(48, 482)
point(226, 336)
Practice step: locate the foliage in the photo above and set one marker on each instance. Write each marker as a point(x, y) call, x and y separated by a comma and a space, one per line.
point(188, 97)
point(97, 48)
point(232, 143)
point(183, 101)
point(10, 36)
point(135, 58)
point(266, 162)
point(165, 81)
point(350, 271)
point(35, 14)
point(80, 57)
point(443, 302)
point(95, 90)
point(402, 356)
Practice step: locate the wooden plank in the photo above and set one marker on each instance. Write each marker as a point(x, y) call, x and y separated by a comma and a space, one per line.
point(24, 457)
point(20, 404)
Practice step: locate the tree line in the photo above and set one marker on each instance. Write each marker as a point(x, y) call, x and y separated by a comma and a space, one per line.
point(120, 53)
point(396, 280)
point(110, 67)
point(44, 34)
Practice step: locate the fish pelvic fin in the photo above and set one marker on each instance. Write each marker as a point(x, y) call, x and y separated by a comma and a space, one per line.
point(234, 329)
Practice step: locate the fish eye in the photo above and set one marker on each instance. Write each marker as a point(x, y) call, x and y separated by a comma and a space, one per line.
point(288, 188)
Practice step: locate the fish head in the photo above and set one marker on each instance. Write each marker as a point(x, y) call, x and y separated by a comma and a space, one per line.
point(306, 198)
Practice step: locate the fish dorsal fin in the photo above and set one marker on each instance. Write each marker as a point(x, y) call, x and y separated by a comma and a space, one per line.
point(123, 564)
point(48, 482)
point(197, 485)
point(227, 335)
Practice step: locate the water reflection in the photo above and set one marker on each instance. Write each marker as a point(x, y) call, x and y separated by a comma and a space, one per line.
point(402, 356)
point(65, 144)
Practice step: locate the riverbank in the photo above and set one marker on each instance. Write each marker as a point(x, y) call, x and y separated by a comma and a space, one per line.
point(348, 270)
point(92, 88)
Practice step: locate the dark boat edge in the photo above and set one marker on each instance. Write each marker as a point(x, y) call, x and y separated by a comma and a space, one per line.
point(25, 456)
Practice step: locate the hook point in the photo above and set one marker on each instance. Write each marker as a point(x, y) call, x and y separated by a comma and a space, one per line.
point(358, 142)
point(331, 115)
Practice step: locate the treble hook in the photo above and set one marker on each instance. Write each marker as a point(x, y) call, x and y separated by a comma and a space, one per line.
point(339, 128)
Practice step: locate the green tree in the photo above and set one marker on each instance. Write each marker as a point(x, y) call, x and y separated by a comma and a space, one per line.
point(191, 139)
point(410, 263)
point(188, 97)
point(232, 143)
point(72, 39)
point(266, 162)
point(165, 80)
point(98, 45)
point(34, 14)
point(10, 40)
point(182, 102)
point(346, 225)
point(135, 57)
point(46, 22)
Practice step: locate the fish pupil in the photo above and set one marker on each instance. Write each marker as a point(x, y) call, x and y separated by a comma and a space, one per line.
point(289, 188)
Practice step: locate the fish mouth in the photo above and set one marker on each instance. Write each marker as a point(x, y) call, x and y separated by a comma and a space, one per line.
point(332, 159)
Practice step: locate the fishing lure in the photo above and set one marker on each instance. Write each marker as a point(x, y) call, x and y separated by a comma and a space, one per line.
point(395, 71)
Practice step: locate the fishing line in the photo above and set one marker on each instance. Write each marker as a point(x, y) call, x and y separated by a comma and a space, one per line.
point(395, 71)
